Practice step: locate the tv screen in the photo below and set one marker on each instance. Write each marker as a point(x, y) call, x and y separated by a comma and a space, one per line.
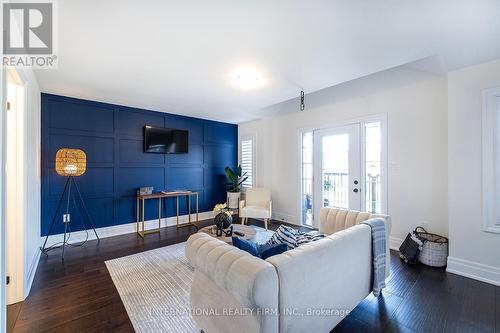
point(165, 140)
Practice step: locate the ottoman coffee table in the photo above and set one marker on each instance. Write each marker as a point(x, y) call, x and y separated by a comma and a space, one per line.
point(248, 231)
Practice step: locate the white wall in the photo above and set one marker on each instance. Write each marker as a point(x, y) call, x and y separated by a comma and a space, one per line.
point(473, 252)
point(261, 130)
point(416, 107)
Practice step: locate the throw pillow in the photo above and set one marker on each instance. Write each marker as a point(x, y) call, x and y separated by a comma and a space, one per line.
point(285, 235)
point(269, 250)
point(246, 245)
point(311, 236)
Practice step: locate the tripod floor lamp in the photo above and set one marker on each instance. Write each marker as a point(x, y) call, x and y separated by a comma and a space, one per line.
point(70, 163)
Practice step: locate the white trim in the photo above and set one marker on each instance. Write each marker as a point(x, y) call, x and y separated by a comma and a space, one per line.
point(384, 158)
point(395, 243)
point(473, 270)
point(300, 134)
point(490, 113)
point(121, 229)
point(31, 273)
point(3, 289)
point(16, 250)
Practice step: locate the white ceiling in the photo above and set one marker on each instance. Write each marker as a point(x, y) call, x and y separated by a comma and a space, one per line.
point(177, 56)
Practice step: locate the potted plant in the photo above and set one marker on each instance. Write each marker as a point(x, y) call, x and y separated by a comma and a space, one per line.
point(236, 178)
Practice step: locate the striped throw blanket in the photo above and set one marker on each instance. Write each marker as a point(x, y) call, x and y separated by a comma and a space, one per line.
point(293, 237)
point(378, 253)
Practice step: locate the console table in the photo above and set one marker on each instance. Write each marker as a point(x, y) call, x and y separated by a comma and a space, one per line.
point(140, 208)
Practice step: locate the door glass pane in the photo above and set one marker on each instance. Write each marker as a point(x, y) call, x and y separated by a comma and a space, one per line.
point(373, 168)
point(307, 178)
point(335, 171)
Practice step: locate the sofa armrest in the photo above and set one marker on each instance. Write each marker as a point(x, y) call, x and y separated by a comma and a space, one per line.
point(253, 282)
point(338, 268)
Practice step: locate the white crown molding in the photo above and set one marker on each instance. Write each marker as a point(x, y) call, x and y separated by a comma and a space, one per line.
point(121, 229)
point(473, 270)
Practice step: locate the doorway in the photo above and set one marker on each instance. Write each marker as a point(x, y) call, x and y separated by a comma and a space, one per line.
point(337, 168)
point(344, 167)
point(14, 187)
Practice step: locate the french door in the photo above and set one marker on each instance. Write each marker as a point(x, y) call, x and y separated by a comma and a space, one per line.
point(337, 168)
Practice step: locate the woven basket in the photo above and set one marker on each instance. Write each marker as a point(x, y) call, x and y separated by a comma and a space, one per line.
point(435, 249)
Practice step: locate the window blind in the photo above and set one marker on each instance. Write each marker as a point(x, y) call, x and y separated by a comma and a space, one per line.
point(247, 161)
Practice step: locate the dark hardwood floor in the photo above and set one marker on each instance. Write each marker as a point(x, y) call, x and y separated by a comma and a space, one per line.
point(79, 295)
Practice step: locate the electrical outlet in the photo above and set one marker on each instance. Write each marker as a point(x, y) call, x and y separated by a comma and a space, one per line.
point(66, 218)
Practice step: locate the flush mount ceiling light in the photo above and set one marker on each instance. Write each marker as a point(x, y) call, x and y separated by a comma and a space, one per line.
point(247, 78)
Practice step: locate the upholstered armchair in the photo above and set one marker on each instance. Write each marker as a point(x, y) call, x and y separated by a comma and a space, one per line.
point(257, 205)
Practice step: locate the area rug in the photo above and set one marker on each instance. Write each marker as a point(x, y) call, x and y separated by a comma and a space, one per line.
point(154, 287)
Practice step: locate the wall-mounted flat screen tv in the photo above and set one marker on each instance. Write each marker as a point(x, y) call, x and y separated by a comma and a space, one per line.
point(165, 140)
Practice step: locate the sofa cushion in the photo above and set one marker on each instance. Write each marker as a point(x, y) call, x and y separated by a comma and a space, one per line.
point(269, 250)
point(285, 235)
point(246, 245)
point(255, 212)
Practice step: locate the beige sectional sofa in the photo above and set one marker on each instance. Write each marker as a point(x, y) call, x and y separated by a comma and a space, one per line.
point(307, 289)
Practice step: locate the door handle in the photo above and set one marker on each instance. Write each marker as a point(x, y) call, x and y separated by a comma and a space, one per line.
point(355, 190)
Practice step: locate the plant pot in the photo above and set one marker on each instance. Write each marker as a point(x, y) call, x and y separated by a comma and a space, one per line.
point(233, 200)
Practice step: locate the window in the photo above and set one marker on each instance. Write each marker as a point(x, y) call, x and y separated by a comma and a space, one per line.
point(247, 160)
point(491, 160)
point(373, 167)
point(307, 178)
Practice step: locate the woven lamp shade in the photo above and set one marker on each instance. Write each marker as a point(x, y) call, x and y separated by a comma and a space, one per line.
point(71, 162)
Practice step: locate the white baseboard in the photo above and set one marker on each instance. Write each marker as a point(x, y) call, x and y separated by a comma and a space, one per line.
point(473, 270)
point(121, 229)
point(284, 217)
point(31, 272)
point(395, 243)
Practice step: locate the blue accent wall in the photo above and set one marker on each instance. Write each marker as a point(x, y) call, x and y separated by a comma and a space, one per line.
point(112, 137)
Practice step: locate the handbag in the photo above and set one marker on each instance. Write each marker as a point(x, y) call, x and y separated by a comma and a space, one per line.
point(409, 249)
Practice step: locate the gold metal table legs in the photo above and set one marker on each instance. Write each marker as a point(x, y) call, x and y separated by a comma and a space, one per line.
point(142, 232)
point(189, 223)
point(140, 212)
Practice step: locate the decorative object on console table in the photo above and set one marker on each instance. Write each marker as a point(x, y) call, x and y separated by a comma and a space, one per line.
point(223, 220)
point(69, 163)
point(236, 178)
point(146, 190)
